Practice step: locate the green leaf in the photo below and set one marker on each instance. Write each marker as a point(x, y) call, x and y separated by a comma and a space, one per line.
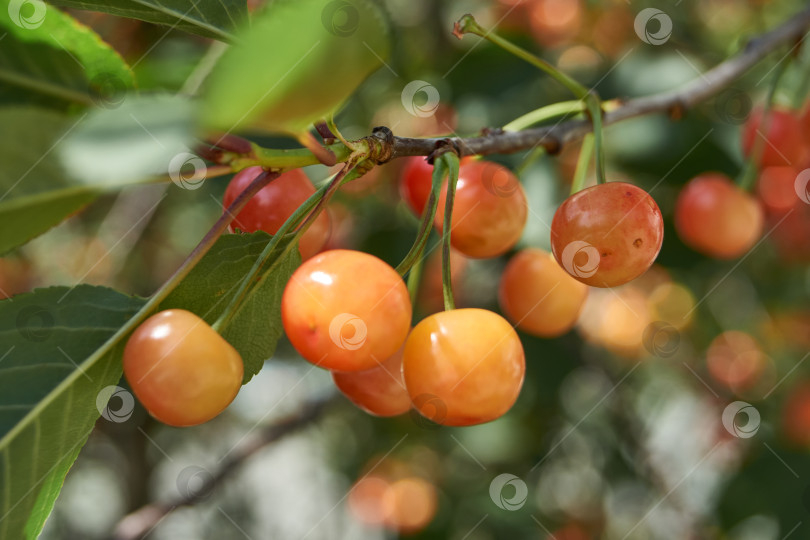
point(143, 137)
point(209, 18)
point(50, 380)
point(299, 61)
point(35, 193)
point(50, 59)
point(256, 328)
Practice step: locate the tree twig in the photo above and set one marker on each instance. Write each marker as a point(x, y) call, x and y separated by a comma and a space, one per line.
point(140, 522)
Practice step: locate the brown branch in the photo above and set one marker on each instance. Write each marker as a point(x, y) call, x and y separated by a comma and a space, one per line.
point(142, 521)
point(673, 102)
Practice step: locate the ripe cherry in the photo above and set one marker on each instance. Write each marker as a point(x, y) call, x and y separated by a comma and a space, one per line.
point(415, 182)
point(783, 143)
point(346, 310)
point(273, 204)
point(489, 210)
point(463, 367)
point(776, 188)
point(380, 390)
point(607, 234)
point(182, 371)
point(539, 296)
point(716, 217)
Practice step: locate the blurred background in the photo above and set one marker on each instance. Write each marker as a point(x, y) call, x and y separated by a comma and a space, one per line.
point(679, 405)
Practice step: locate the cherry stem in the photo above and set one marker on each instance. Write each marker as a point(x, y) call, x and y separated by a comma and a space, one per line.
point(563, 108)
point(584, 161)
point(305, 215)
point(450, 160)
point(414, 279)
point(428, 214)
point(330, 123)
point(595, 112)
point(750, 172)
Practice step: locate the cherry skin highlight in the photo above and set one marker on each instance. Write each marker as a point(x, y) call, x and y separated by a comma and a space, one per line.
point(346, 310)
point(380, 390)
point(608, 234)
point(537, 295)
point(717, 218)
point(273, 204)
point(463, 367)
point(489, 210)
point(182, 371)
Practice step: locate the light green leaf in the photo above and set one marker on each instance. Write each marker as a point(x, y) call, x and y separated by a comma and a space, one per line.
point(299, 61)
point(50, 59)
point(209, 18)
point(49, 384)
point(256, 328)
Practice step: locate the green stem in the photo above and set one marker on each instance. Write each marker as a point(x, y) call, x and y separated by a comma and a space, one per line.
point(595, 112)
point(330, 123)
point(545, 113)
point(305, 215)
point(415, 279)
point(428, 214)
point(450, 160)
point(750, 172)
point(584, 161)
point(468, 25)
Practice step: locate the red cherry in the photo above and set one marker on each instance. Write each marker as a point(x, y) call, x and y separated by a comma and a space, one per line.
point(272, 205)
point(415, 182)
point(776, 188)
point(489, 210)
point(716, 217)
point(796, 415)
point(608, 234)
point(783, 142)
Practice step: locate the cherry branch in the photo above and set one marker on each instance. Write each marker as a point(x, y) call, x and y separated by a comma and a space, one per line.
point(142, 521)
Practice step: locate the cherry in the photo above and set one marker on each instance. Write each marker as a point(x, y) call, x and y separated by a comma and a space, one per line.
point(717, 218)
point(607, 234)
point(489, 210)
point(273, 204)
point(735, 360)
point(380, 390)
point(346, 310)
point(430, 297)
point(182, 371)
point(415, 182)
point(796, 415)
point(776, 188)
point(463, 367)
point(539, 296)
point(783, 144)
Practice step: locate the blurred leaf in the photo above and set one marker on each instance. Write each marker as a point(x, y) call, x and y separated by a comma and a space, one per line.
point(209, 18)
point(35, 194)
point(298, 62)
point(256, 328)
point(50, 380)
point(51, 59)
point(139, 139)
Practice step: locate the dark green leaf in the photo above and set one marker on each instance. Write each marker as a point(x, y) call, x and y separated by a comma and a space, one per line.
point(209, 18)
point(50, 380)
point(256, 327)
